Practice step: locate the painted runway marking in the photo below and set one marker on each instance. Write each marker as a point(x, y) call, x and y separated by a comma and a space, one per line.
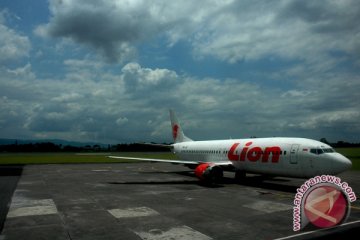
point(29, 207)
point(133, 212)
point(178, 233)
point(268, 206)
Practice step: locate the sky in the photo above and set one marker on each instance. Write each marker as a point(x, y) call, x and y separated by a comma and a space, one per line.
point(109, 70)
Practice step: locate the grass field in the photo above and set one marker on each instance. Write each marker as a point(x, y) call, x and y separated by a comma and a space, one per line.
point(48, 158)
point(353, 154)
point(51, 158)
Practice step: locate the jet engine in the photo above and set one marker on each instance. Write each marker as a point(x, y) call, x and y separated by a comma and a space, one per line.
point(209, 172)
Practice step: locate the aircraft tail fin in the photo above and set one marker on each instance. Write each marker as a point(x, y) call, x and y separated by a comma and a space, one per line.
point(177, 132)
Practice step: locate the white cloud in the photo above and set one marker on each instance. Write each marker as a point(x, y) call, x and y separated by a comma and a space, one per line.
point(287, 29)
point(113, 28)
point(296, 93)
point(24, 71)
point(76, 63)
point(121, 121)
point(228, 30)
point(13, 45)
point(87, 99)
point(67, 97)
point(343, 119)
point(107, 26)
point(104, 109)
point(137, 78)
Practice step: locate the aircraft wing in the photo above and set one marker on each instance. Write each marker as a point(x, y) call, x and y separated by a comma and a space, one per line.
point(220, 163)
point(157, 145)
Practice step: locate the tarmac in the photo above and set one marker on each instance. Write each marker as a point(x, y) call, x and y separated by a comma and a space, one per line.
point(152, 201)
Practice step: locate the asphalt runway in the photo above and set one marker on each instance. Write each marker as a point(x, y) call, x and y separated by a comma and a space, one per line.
point(151, 201)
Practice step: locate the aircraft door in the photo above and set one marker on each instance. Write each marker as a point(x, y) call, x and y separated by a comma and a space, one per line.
point(294, 153)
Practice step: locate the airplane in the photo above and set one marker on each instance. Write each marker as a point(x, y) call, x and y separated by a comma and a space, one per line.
point(275, 156)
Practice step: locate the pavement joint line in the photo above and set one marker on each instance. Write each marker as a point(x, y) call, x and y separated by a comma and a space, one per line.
point(315, 231)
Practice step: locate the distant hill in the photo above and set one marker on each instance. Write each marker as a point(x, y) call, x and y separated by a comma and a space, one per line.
point(56, 145)
point(6, 141)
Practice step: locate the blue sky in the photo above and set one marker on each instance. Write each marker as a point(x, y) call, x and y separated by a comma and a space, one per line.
point(108, 71)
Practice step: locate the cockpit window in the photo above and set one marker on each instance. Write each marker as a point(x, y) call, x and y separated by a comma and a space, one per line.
point(328, 150)
point(316, 151)
point(319, 151)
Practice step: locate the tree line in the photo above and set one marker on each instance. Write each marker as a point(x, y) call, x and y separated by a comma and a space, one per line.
point(52, 147)
point(340, 144)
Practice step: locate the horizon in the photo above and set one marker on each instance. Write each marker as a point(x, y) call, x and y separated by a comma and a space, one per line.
point(6, 141)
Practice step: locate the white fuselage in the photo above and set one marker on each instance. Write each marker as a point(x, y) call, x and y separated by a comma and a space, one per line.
point(291, 157)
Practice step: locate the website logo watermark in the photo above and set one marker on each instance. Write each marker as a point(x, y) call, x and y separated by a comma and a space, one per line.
point(323, 201)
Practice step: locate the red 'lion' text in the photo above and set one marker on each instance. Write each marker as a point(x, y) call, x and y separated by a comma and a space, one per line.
point(254, 154)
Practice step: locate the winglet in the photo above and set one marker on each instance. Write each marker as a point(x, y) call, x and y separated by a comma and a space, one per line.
point(177, 132)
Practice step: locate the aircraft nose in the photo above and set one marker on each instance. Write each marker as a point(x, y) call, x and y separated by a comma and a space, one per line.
point(341, 163)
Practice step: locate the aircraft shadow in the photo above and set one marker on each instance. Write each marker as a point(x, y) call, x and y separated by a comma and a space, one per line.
point(175, 182)
point(278, 184)
point(170, 182)
point(10, 170)
point(9, 177)
point(153, 182)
